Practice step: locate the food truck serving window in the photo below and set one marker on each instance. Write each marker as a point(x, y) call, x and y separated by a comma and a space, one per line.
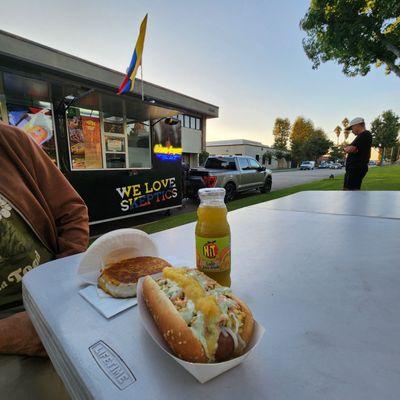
point(28, 108)
point(35, 120)
point(84, 136)
point(104, 140)
point(139, 151)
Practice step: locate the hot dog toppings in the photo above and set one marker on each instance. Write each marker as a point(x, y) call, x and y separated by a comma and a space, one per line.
point(207, 308)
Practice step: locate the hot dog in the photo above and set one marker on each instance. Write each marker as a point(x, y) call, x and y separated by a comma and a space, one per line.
point(200, 320)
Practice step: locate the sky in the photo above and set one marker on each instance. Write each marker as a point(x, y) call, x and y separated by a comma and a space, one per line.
point(244, 56)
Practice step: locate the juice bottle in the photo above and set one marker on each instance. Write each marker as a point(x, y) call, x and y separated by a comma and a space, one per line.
point(213, 236)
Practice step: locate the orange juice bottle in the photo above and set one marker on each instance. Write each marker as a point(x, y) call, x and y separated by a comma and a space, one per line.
point(213, 236)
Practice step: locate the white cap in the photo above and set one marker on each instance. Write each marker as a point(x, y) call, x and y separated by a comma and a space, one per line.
point(355, 121)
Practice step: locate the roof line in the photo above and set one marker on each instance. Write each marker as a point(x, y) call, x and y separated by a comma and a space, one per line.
point(13, 35)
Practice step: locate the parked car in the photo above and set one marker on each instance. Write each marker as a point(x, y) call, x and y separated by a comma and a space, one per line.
point(324, 165)
point(336, 166)
point(234, 173)
point(372, 163)
point(307, 165)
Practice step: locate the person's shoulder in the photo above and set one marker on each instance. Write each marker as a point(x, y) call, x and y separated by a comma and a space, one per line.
point(11, 133)
point(368, 136)
point(367, 133)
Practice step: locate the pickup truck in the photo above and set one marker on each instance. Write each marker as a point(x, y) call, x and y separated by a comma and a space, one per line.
point(233, 173)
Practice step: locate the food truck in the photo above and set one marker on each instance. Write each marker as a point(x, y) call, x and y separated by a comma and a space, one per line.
point(123, 154)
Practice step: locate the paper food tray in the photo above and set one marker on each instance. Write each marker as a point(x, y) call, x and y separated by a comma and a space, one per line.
point(112, 247)
point(116, 246)
point(202, 372)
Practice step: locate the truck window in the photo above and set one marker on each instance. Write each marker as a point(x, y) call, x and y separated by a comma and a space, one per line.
point(243, 163)
point(254, 164)
point(220, 163)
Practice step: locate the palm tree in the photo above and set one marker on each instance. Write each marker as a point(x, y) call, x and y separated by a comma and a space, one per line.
point(345, 123)
point(337, 131)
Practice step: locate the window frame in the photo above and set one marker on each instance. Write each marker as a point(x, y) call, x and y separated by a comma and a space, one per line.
point(247, 161)
point(150, 146)
point(3, 104)
point(4, 108)
point(250, 160)
point(188, 121)
point(103, 135)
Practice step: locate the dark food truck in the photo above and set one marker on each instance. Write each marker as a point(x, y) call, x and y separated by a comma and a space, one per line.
point(122, 154)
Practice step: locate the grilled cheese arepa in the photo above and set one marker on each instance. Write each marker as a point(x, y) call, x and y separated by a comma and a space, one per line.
point(120, 279)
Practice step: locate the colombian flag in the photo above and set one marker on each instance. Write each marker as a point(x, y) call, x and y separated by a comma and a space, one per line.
point(128, 82)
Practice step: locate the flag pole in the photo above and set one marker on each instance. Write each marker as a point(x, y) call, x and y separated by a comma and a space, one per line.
point(141, 77)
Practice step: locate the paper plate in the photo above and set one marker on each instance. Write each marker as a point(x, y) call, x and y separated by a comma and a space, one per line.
point(113, 247)
point(202, 372)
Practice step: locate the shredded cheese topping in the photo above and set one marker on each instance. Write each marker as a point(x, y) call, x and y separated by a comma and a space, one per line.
point(205, 309)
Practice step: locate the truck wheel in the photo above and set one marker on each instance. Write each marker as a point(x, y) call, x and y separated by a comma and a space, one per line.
point(267, 186)
point(230, 189)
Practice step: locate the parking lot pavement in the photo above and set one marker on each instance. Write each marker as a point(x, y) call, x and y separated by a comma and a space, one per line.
point(283, 180)
point(280, 180)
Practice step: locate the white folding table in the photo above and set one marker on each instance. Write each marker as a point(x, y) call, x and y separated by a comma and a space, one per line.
point(325, 287)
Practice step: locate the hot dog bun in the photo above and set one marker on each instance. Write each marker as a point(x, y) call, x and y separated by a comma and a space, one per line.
point(200, 320)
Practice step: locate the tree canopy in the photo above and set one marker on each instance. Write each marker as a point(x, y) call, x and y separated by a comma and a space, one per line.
point(316, 145)
point(281, 133)
point(355, 33)
point(307, 142)
point(385, 130)
point(336, 153)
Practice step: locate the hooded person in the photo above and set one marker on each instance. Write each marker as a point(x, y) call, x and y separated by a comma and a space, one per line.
point(42, 218)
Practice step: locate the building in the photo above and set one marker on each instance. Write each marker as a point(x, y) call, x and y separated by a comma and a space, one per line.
point(242, 147)
point(123, 154)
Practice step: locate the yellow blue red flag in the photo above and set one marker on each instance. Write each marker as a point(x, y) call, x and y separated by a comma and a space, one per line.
point(128, 82)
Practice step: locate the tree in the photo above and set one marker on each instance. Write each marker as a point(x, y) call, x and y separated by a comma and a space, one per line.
point(267, 156)
point(316, 145)
point(345, 124)
point(301, 130)
point(354, 33)
point(280, 156)
point(395, 153)
point(281, 133)
point(337, 131)
point(336, 153)
point(385, 130)
point(203, 157)
point(287, 157)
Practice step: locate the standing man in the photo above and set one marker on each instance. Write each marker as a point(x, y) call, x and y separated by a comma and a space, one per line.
point(358, 155)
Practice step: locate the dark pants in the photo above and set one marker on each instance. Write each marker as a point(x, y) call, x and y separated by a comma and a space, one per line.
point(354, 176)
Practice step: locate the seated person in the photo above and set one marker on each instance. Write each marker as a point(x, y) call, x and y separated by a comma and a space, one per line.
point(41, 218)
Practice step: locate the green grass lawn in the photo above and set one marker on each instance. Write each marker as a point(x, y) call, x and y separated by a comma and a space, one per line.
point(378, 178)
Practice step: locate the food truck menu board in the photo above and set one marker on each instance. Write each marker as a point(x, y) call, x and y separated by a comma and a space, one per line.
point(121, 193)
point(84, 140)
